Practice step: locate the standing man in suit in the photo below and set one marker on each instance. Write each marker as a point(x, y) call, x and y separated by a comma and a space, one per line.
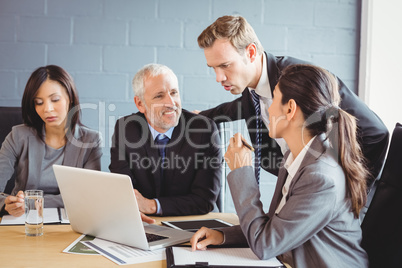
point(233, 50)
point(172, 155)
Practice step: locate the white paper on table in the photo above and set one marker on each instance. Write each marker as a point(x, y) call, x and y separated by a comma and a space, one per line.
point(77, 247)
point(222, 256)
point(50, 215)
point(122, 254)
point(11, 220)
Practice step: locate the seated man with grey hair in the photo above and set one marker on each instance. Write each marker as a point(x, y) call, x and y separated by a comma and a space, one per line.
point(172, 155)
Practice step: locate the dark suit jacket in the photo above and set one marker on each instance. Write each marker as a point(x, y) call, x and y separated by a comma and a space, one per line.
point(372, 133)
point(315, 227)
point(192, 178)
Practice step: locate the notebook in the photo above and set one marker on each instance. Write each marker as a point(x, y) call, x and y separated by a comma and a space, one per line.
point(50, 215)
point(103, 205)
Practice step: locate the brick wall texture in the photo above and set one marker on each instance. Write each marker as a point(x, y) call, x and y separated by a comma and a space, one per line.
point(102, 43)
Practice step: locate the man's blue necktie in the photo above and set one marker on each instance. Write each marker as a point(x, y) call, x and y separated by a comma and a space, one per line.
point(161, 141)
point(258, 134)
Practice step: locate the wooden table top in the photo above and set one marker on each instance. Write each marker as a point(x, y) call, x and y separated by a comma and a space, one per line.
point(19, 250)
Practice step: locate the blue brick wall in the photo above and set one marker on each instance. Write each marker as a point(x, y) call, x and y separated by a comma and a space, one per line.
point(102, 43)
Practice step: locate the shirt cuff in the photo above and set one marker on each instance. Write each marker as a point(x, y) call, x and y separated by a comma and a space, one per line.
point(224, 238)
point(158, 207)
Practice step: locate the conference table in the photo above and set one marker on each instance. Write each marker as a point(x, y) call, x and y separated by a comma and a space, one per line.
point(18, 250)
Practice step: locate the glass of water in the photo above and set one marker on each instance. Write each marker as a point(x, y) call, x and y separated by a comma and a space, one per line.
point(34, 212)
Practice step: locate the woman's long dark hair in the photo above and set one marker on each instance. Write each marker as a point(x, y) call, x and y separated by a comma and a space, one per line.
point(316, 92)
point(40, 75)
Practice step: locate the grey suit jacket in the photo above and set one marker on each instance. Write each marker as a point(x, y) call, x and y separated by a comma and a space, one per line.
point(22, 152)
point(315, 228)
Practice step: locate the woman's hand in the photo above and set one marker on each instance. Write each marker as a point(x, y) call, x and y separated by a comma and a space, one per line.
point(15, 205)
point(237, 154)
point(204, 237)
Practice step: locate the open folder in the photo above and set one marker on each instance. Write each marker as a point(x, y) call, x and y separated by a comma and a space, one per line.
point(216, 257)
point(50, 215)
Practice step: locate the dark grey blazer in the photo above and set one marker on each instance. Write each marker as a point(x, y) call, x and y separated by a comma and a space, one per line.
point(22, 152)
point(315, 227)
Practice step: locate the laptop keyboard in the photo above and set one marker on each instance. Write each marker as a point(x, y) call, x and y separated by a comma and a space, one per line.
point(154, 237)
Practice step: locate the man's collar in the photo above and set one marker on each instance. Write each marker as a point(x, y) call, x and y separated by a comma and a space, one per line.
point(156, 133)
point(263, 88)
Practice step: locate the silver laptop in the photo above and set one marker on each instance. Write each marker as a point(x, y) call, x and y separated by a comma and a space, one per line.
point(103, 205)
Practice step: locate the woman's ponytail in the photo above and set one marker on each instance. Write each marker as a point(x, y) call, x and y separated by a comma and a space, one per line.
point(343, 138)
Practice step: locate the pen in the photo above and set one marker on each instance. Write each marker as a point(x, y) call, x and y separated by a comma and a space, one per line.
point(4, 194)
point(247, 145)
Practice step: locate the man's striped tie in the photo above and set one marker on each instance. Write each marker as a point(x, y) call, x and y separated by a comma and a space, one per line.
point(161, 140)
point(258, 136)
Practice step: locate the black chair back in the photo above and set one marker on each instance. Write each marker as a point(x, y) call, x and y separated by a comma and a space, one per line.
point(9, 117)
point(382, 224)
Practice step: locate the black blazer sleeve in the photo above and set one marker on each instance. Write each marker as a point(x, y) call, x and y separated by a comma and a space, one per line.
point(228, 111)
point(372, 134)
point(119, 153)
point(243, 108)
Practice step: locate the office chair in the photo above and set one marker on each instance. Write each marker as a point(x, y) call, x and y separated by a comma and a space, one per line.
point(382, 225)
point(9, 117)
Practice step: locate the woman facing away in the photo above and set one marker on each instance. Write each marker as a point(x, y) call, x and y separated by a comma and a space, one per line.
point(52, 133)
point(313, 217)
